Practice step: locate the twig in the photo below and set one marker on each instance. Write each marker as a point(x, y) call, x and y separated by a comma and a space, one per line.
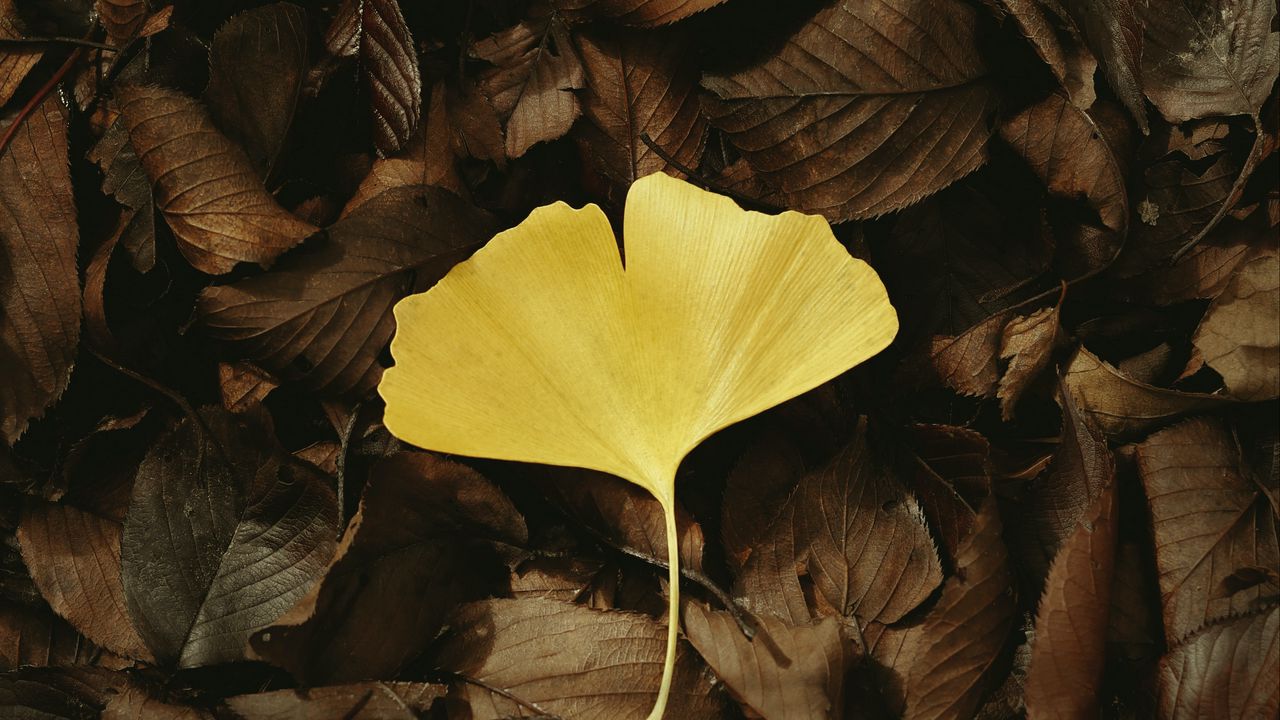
point(58, 40)
point(39, 97)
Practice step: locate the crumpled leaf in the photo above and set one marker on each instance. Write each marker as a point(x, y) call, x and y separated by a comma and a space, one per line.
point(253, 108)
point(1209, 521)
point(866, 109)
point(419, 533)
point(356, 701)
point(374, 32)
point(1225, 671)
point(1068, 655)
point(785, 671)
point(640, 86)
point(1068, 152)
point(936, 668)
point(570, 661)
point(1027, 342)
point(122, 19)
point(536, 71)
point(1123, 407)
point(39, 278)
point(222, 536)
point(854, 533)
point(1072, 65)
point(124, 179)
point(324, 315)
point(204, 185)
point(640, 13)
point(1239, 336)
point(1113, 31)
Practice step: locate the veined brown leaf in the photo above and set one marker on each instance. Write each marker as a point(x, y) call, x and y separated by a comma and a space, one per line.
point(122, 19)
point(39, 278)
point(323, 316)
point(536, 71)
point(419, 533)
point(1209, 521)
point(1068, 655)
point(856, 533)
point(640, 13)
point(36, 636)
point(222, 536)
point(357, 701)
point(868, 108)
point(1113, 31)
point(937, 668)
point(15, 63)
point(1239, 336)
point(570, 661)
point(1027, 342)
point(253, 108)
point(205, 185)
point(640, 85)
point(374, 31)
point(1227, 670)
point(785, 671)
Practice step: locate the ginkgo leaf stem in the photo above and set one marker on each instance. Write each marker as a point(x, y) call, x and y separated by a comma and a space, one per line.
point(673, 609)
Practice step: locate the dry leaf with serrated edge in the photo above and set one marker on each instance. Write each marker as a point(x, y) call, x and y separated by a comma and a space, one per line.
point(204, 185)
point(1239, 336)
point(718, 315)
point(1027, 342)
point(1227, 670)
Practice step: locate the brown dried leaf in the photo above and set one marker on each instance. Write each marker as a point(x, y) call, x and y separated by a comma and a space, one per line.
point(951, 474)
point(1068, 152)
point(15, 63)
point(122, 19)
point(785, 671)
point(640, 13)
point(74, 558)
point(1209, 58)
point(1227, 670)
point(1027, 342)
point(570, 661)
point(1239, 336)
point(859, 537)
point(244, 385)
point(357, 701)
point(1068, 654)
point(39, 278)
point(124, 179)
point(640, 85)
point(1113, 31)
point(205, 186)
point(136, 703)
point(1209, 521)
point(324, 315)
point(536, 71)
point(966, 362)
point(866, 109)
point(1123, 407)
point(419, 533)
point(939, 667)
point(756, 493)
point(255, 108)
point(1073, 66)
point(35, 636)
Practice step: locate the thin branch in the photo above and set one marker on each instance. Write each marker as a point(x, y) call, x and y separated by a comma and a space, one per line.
point(58, 40)
point(39, 97)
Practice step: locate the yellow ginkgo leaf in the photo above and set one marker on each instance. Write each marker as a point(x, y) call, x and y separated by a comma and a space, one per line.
point(544, 348)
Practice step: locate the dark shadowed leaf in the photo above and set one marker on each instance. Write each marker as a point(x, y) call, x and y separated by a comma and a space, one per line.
point(205, 186)
point(324, 315)
point(255, 108)
point(358, 701)
point(966, 362)
point(570, 661)
point(853, 531)
point(39, 280)
point(756, 494)
point(1227, 670)
point(866, 109)
point(122, 19)
point(1239, 336)
point(374, 32)
point(951, 474)
point(1068, 655)
point(62, 694)
point(531, 85)
point(244, 386)
point(1123, 407)
point(937, 668)
point(1209, 521)
point(1059, 501)
point(640, 85)
point(138, 703)
point(785, 671)
point(1068, 152)
point(641, 13)
point(74, 557)
point(1072, 65)
point(35, 636)
point(1113, 32)
point(124, 179)
point(15, 62)
point(420, 532)
point(223, 534)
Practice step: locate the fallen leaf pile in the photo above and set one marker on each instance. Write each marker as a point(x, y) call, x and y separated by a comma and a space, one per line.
point(1054, 495)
